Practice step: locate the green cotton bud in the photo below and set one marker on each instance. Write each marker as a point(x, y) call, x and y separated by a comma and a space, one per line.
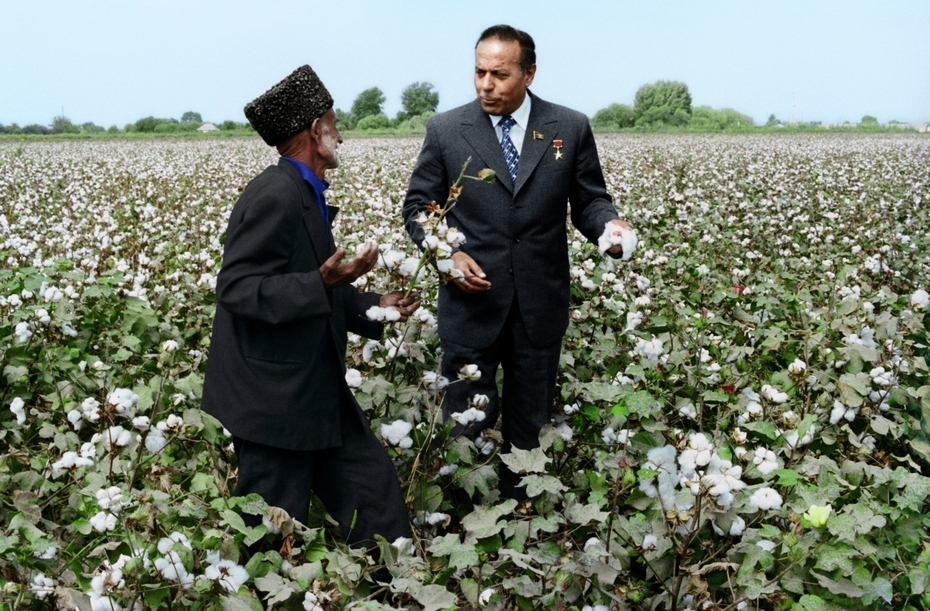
point(629, 478)
point(487, 175)
point(817, 515)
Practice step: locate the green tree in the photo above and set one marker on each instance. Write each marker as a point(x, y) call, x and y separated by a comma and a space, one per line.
point(63, 125)
point(416, 99)
point(615, 116)
point(663, 104)
point(772, 122)
point(705, 118)
point(379, 121)
point(368, 103)
point(868, 121)
point(344, 120)
point(191, 117)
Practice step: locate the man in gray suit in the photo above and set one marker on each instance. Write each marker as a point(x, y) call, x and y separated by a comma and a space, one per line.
point(510, 308)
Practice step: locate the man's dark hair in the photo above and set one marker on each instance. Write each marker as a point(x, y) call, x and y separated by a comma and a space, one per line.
point(507, 34)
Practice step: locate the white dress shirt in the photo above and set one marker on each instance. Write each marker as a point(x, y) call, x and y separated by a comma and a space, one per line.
point(518, 131)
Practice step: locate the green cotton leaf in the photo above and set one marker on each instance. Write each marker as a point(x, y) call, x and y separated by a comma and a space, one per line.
point(787, 477)
point(483, 521)
point(476, 478)
point(526, 461)
point(765, 429)
point(304, 574)
point(881, 425)
point(549, 524)
point(864, 518)
point(842, 526)
point(843, 587)
point(524, 585)
point(918, 576)
point(26, 528)
point(278, 588)
point(8, 543)
point(241, 601)
point(192, 383)
point(204, 482)
point(432, 597)
point(810, 602)
point(584, 514)
point(853, 388)
point(643, 404)
point(14, 373)
point(234, 521)
point(601, 391)
point(832, 557)
point(131, 342)
point(461, 555)
point(537, 484)
point(715, 396)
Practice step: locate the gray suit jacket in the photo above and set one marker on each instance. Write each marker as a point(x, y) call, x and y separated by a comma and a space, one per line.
point(516, 233)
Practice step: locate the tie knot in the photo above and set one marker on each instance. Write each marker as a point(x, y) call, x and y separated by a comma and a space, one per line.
point(506, 123)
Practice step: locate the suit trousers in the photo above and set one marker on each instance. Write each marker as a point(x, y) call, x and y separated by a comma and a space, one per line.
point(356, 482)
point(528, 393)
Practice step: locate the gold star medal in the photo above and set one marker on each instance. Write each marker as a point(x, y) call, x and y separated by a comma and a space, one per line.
point(557, 144)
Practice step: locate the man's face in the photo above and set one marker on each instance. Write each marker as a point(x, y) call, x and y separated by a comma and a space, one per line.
point(500, 85)
point(329, 140)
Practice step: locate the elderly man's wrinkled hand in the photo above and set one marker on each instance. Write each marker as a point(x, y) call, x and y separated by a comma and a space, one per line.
point(335, 272)
point(405, 305)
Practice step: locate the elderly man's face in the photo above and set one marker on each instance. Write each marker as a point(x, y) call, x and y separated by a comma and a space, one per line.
point(500, 85)
point(330, 139)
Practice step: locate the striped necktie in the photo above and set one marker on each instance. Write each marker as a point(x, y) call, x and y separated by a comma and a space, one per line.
point(511, 156)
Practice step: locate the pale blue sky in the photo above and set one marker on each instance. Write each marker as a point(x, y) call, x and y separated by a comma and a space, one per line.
point(113, 62)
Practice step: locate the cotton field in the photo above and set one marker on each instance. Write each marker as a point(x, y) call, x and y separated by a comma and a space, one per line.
point(744, 412)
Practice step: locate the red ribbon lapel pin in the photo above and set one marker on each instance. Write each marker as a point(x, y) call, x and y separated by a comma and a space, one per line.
point(557, 144)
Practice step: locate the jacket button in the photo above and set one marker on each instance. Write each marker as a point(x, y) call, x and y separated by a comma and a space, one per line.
point(516, 240)
point(510, 271)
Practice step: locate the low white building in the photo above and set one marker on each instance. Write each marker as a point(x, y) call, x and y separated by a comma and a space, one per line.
point(208, 127)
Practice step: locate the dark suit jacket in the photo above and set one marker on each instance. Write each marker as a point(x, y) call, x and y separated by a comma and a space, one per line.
point(516, 233)
point(276, 372)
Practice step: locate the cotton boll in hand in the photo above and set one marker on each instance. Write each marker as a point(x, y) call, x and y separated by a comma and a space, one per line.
point(615, 234)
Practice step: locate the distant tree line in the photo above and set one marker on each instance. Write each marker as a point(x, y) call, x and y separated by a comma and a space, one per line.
point(658, 106)
point(189, 122)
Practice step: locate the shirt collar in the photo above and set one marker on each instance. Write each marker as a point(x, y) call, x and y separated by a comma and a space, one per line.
point(521, 115)
point(307, 174)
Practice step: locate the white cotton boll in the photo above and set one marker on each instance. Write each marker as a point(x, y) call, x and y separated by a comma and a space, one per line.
point(42, 586)
point(110, 498)
point(396, 432)
point(468, 416)
point(570, 409)
point(798, 366)
point(172, 569)
point(14, 301)
point(103, 603)
point(155, 441)
point(765, 460)
point(353, 378)
point(633, 320)
point(469, 373)
point(485, 597)
point(409, 267)
point(141, 423)
point(21, 333)
point(311, 602)
point(430, 243)
point(228, 574)
point(368, 350)
point(688, 411)
point(116, 437)
point(18, 407)
point(448, 469)
point(765, 499)
point(650, 541)
point(124, 400)
point(42, 316)
point(169, 345)
point(437, 518)
point(433, 381)
point(103, 521)
point(649, 350)
point(920, 300)
point(445, 265)
point(564, 430)
point(454, 237)
point(615, 234)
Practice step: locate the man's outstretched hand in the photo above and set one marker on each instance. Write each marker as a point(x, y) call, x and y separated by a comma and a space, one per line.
point(336, 273)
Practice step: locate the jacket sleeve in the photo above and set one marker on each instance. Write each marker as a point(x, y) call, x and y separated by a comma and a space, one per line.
point(429, 183)
point(356, 320)
point(591, 205)
point(254, 281)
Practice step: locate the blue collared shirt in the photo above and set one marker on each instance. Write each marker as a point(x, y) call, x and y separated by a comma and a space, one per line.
point(316, 185)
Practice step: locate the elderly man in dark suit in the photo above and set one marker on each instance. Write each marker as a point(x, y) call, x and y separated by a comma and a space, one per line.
point(276, 374)
point(510, 307)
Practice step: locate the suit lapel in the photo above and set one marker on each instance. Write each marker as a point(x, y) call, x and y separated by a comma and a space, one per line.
point(479, 133)
point(313, 220)
point(541, 121)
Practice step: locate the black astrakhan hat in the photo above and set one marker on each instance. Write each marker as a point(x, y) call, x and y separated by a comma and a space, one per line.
point(289, 107)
